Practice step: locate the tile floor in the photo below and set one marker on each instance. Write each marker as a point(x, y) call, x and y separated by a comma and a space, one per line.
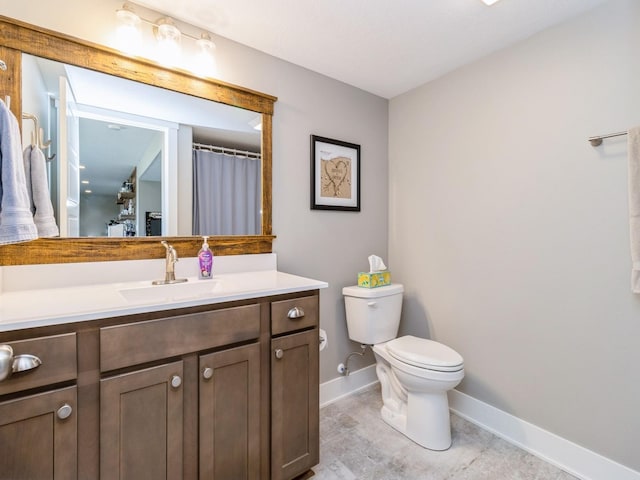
point(356, 444)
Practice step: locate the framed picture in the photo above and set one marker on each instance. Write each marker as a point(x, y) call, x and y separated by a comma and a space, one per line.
point(335, 175)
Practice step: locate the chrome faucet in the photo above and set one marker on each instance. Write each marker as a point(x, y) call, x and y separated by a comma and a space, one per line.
point(170, 272)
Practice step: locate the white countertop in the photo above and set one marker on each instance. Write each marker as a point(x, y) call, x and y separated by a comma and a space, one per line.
point(51, 306)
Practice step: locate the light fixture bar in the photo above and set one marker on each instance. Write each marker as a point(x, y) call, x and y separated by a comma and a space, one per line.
point(127, 13)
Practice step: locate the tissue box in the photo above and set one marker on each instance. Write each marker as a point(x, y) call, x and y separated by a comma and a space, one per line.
point(375, 279)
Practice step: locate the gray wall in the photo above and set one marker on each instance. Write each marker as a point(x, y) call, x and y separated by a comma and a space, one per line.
point(511, 232)
point(329, 246)
point(95, 212)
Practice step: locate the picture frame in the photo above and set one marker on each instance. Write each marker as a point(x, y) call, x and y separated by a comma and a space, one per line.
point(335, 175)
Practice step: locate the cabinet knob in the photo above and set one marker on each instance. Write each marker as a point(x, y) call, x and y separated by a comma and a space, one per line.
point(6, 361)
point(295, 312)
point(207, 373)
point(279, 353)
point(176, 381)
point(64, 411)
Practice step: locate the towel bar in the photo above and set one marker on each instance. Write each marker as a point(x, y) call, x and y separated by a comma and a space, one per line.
point(596, 141)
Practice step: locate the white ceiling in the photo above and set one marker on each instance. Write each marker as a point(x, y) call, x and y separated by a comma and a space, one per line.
point(385, 47)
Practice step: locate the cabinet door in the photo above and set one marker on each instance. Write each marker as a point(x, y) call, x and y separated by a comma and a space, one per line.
point(38, 436)
point(230, 414)
point(141, 424)
point(294, 404)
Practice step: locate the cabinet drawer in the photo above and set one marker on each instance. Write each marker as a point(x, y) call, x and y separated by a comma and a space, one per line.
point(59, 364)
point(135, 343)
point(285, 317)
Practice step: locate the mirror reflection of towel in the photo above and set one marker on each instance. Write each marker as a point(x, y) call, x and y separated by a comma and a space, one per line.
point(38, 188)
point(16, 220)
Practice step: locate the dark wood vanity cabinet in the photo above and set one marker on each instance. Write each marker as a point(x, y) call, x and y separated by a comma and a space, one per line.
point(38, 415)
point(207, 382)
point(294, 387)
point(227, 391)
point(37, 438)
point(141, 423)
point(229, 440)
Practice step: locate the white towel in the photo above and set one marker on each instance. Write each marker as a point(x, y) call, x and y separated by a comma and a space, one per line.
point(16, 220)
point(35, 168)
point(26, 157)
point(634, 205)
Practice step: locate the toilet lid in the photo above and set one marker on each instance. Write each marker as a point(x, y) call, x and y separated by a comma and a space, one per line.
point(424, 353)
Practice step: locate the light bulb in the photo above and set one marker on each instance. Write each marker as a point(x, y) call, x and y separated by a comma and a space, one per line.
point(205, 62)
point(168, 37)
point(128, 37)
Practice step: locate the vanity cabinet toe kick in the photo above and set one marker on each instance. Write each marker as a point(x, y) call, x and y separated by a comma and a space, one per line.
point(219, 391)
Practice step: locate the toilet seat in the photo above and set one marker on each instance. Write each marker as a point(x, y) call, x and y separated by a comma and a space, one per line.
point(424, 353)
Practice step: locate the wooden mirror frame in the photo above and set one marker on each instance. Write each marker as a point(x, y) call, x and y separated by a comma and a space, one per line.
point(19, 37)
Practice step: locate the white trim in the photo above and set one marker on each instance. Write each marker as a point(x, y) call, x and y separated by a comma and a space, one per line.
point(341, 387)
point(568, 456)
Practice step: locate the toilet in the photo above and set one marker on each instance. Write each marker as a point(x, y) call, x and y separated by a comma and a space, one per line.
point(415, 373)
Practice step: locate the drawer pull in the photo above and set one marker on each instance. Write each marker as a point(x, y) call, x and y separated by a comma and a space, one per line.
point(279, 353)
point(25, 362)
point(176, 381)
point(207, 373)
point(295, 312)
point(20, 363)
point(64, 411)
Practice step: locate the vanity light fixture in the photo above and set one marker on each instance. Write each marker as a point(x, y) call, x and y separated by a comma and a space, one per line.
point(489, 2)
point(168, 37)
point(205, 62)
point(206, 44)
point(128, 32)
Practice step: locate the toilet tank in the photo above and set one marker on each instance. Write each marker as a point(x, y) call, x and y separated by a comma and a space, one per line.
point(373, 314)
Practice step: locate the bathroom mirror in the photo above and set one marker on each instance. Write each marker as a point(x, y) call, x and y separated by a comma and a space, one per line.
point(19, 38)
point(129, 137)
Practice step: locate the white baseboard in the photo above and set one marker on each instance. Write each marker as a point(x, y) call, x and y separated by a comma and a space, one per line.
point(568, 456)
point(342, 386)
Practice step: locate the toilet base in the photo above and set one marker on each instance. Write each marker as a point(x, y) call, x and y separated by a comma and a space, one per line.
point(430, 425)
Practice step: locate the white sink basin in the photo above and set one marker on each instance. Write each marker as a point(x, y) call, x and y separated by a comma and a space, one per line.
point(172, 292)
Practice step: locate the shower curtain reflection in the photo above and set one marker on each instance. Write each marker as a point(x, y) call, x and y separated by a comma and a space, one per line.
point(221, 176)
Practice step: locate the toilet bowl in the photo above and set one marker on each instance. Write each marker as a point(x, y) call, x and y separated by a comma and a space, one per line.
point(415, 374)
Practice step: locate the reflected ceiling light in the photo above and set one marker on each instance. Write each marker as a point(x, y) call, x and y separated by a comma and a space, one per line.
point(489, 2)
point(256, 123)
point(87, 191)
point(85, 182)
